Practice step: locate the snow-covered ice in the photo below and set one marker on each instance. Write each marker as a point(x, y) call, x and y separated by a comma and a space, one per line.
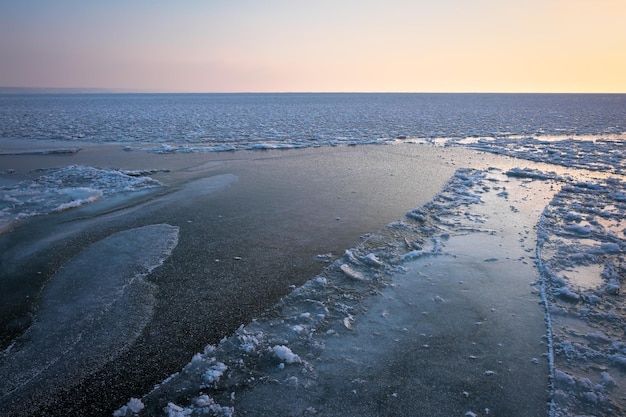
point(581, 245)
point(595, 153)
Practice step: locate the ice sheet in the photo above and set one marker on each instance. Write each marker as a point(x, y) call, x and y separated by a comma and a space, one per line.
point(89, 312)
point(594, 153)
point(436, 315)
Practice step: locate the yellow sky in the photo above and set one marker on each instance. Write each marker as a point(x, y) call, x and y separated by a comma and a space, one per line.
point(349, 45)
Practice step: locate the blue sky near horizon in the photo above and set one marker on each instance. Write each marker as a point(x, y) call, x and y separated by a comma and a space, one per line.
point(349, 45)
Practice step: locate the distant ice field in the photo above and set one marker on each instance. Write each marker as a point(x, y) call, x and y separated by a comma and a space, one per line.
point(251, 121)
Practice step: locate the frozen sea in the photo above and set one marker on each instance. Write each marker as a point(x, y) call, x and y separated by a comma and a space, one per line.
point(312, 254)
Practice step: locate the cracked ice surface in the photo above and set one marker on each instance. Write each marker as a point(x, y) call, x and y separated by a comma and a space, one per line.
point(582, 247)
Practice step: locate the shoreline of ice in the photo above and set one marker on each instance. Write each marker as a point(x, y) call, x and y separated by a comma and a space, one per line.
point(612, 143)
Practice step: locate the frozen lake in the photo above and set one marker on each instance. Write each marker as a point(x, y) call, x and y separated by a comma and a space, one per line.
point(458, 268)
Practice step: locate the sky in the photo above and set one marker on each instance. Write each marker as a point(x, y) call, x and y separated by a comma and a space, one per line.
point(315, 45)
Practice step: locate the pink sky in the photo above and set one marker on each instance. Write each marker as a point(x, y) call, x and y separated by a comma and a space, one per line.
point(340, 45)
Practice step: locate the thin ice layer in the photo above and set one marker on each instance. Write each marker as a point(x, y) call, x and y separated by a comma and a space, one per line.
point(89, 313)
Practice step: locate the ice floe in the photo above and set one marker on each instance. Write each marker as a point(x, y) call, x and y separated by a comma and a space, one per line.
point(60, 189)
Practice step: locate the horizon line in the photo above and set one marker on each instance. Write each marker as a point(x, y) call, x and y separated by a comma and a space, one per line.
point(101, 90)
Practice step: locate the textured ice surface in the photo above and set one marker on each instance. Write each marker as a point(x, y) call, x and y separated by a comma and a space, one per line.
point(89, 312)
point(582, 243)
point(262, 121)
point(597, 154)
point(582, 250)
point(64, 188)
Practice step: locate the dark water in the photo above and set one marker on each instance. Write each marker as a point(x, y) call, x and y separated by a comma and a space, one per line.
point(241, 120)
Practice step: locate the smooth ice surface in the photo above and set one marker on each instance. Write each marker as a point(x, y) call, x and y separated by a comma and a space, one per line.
point(89, 312)
point(202, 186)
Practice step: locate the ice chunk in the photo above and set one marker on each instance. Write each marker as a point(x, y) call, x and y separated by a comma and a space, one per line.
point(64, 188)
point(412, 255)
point(530, 173)
point(174, 410)
point(214, 372)
point(583, 230)
point(351, 272)
point(134, 406)
point(372, 260)
point(285, 354)
point(610, 247)
point(566, 293)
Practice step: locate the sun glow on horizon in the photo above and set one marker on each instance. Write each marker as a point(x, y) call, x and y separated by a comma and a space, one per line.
point(280, 46)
